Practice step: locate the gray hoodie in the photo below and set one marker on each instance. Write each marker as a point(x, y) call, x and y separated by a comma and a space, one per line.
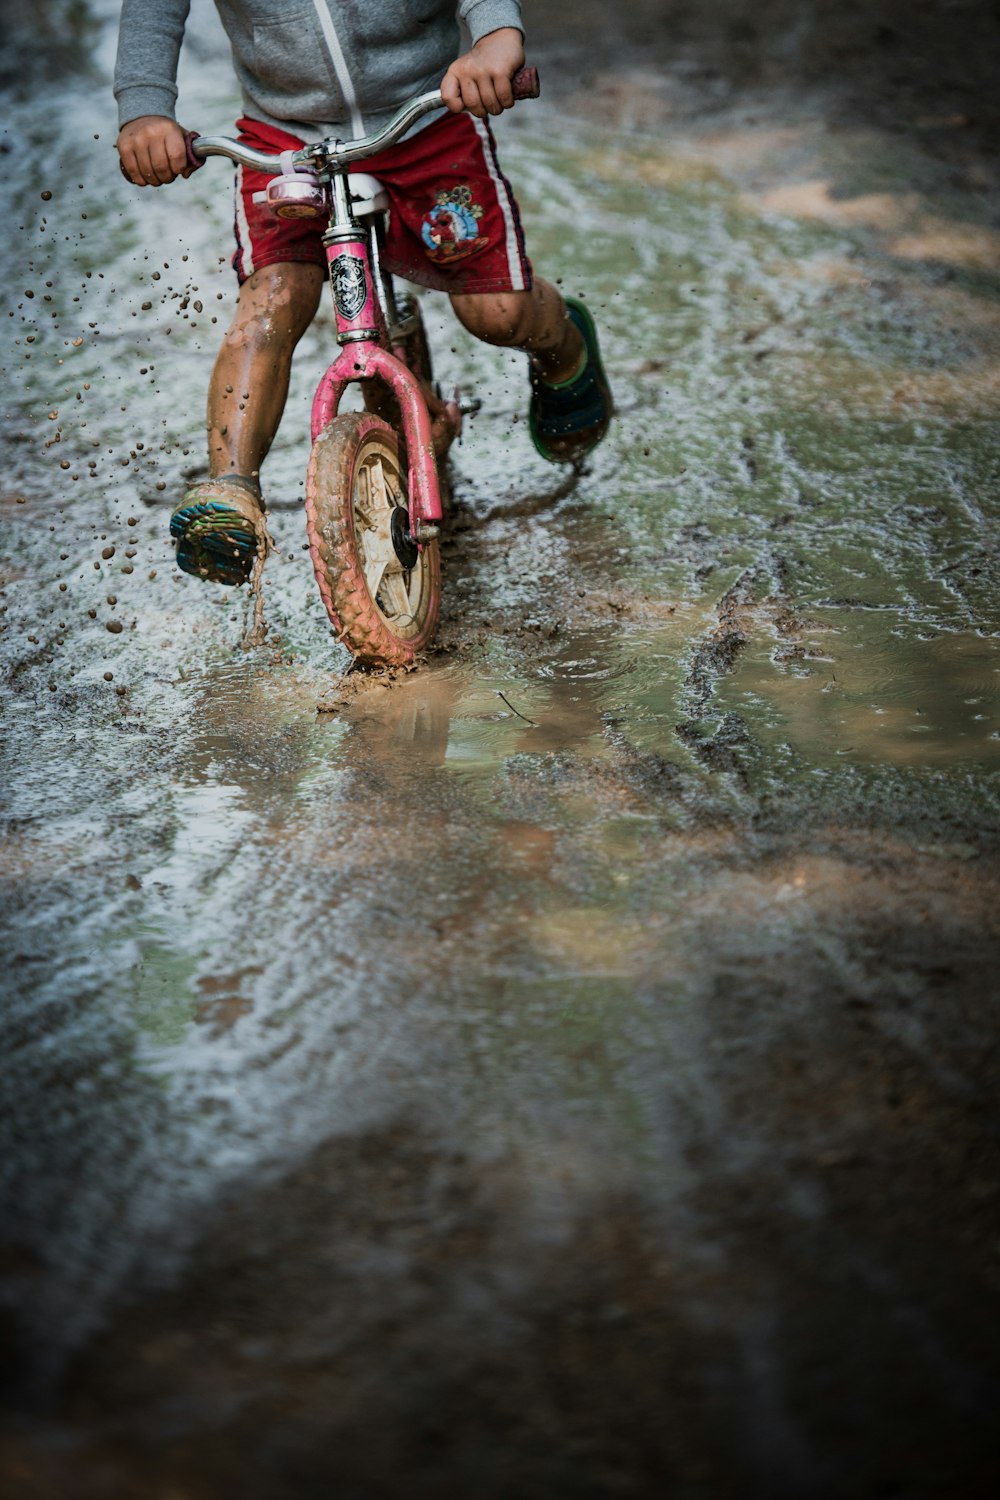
point(317, 67)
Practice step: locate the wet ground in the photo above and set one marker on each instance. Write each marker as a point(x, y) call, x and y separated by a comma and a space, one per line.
point(569, 1069)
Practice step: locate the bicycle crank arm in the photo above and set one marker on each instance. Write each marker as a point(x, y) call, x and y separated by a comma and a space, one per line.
point(465, 406)
point(457, 408)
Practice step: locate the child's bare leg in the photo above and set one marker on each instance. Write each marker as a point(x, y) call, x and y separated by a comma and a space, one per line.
point(571, 403)
point(250, 381)
point(219, 526)
point(534, 321)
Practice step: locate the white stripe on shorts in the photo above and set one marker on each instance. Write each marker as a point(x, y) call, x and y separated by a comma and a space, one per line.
point(514, 266)
point(246, 266)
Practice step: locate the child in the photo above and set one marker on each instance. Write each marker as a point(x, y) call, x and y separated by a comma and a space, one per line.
point(343, 67)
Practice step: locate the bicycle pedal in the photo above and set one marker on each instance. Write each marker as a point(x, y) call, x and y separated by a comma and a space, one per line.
point(469, 405)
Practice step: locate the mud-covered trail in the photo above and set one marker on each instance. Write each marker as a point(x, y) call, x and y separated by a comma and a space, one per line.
point(569, 1069)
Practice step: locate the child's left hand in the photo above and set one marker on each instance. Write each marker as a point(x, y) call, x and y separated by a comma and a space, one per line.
point(480, 80)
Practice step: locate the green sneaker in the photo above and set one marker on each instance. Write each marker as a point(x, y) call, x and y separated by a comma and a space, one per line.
point(567, 420)
point(219, 529)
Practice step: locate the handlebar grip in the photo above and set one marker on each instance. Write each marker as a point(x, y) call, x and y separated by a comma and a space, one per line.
point(525, 83)
point(194, 160)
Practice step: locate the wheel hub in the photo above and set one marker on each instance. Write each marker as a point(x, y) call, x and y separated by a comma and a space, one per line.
point(403, 544)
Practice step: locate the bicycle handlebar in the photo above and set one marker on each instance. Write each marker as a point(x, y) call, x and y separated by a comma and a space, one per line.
point(334, 153)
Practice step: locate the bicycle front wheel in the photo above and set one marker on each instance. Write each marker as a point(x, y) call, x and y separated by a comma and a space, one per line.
point(382, 594)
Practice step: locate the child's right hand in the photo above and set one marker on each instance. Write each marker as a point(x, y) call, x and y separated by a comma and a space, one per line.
point(153, 151)
point(479, 81)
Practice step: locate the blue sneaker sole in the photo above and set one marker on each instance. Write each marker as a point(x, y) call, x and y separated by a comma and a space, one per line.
point(214, 542)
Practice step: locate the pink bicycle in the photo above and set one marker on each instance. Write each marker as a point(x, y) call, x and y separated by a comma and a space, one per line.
point(373, 492)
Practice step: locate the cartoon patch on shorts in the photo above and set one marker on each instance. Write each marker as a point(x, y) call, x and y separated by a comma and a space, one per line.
point(450, 231)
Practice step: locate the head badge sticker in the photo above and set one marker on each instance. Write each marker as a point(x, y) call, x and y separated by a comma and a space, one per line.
point(349, 290)
point(450, 230)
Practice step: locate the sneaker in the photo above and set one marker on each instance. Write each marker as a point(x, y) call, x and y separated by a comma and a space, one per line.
point(569, 419)
point(219, 529)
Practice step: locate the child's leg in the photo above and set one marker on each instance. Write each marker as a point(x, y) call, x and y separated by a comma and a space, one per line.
point(219, 526)
point(535, 321)
point(250, 381)
point(571, 403)
point(455, 226)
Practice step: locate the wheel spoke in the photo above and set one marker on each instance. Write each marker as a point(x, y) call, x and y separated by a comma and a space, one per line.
point(394, 490)
point(363, 498)
point(379, 492)
point(374, 564)
point(395, 599)
point(375, 509)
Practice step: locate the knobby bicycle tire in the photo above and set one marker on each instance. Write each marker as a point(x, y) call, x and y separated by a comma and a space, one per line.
point(357, 477)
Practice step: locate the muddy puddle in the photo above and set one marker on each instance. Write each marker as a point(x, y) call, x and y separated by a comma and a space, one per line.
point(516, 1072)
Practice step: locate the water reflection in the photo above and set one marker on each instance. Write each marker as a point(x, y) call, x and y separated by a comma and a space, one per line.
point(877, 695)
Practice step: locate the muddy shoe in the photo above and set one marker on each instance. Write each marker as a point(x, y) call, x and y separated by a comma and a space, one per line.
point(220, 530)
point(569, 419)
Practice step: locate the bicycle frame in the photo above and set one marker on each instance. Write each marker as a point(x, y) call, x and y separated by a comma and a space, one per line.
point(367, 353)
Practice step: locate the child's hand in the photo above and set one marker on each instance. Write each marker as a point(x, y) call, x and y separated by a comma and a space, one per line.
point(480, 81)
point(153, 151)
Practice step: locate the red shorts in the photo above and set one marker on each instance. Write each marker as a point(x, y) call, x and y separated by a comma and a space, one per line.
point(453, 220)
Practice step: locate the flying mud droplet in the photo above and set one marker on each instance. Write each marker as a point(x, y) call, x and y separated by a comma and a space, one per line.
point(115, 626)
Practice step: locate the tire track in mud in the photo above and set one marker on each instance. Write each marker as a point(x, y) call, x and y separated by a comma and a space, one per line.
point(756, 602)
